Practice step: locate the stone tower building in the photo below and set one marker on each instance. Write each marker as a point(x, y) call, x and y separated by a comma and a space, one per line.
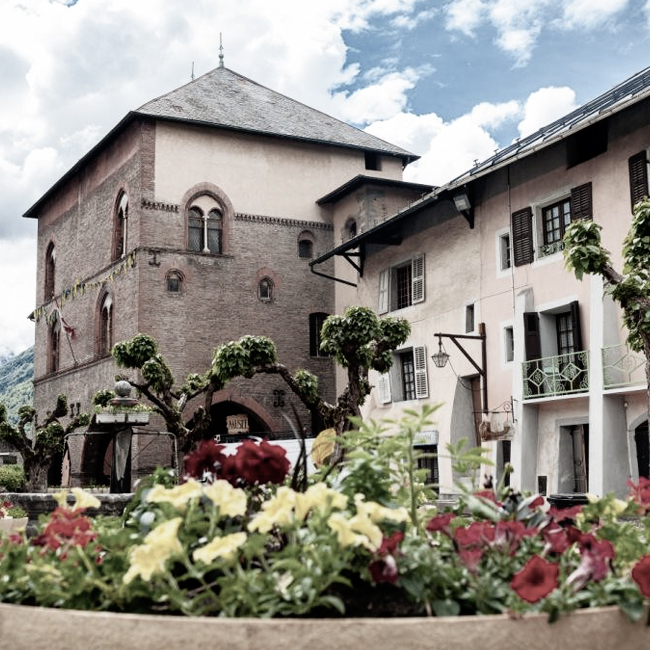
point(194, 221)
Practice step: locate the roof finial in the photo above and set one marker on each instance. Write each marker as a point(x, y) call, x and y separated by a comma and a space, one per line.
point(192, 70)
point(220, 52)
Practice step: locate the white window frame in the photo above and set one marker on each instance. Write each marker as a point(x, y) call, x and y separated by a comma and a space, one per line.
point(501, 235)
point(385, 394)
point(386, 299)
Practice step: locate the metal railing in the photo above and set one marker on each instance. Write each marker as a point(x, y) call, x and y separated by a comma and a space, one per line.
point(622, 366)
point(564, 374)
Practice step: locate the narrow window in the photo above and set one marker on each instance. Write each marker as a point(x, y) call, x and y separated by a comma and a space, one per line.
point(407, 367)
point(509, 344)
point(404, 286)
point(469, 318)
point(213, 231)
point(350, 230)
point(505, 261)
point(54, 345)
point(174, 282)
point(120, 227)
point(195, 229)
point(50, 265)
point(429, 461)
point(316, 321)
point(105, 334)
point(265, 290)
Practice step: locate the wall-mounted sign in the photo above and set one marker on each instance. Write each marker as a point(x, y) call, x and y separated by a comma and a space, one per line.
point(426, 437)
point(237, 424)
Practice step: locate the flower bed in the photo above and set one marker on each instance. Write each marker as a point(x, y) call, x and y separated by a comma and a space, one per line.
point(239, 538)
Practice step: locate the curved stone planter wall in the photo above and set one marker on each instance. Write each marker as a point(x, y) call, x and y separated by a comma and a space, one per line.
point(35, 628)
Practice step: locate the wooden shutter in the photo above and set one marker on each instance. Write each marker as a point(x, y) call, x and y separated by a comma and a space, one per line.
point(581, 205)
point(417, 279)
point(420, 364)
point(384, 277)
point(575, 325)
point(383, 389)
point(531, 335)
point(522, 236)
point(638, 165)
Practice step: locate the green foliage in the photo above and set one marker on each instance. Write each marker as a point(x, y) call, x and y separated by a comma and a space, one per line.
point(583, 251)
point(241, 358)
point(103, 397)
point(12, 478)
point(361, 338)
point(308, 385)
point(135, 352)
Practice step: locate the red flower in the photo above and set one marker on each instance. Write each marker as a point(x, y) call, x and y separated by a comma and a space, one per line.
point(641, 575)
point(475, 535)
point(556, 538)
point(384, 568)
point(256, 463)
point(487, 494)
point(205, 460)
point(66, 528)
point(440, 523)
point(508, 534)
point(471, 558)
point(536, 580)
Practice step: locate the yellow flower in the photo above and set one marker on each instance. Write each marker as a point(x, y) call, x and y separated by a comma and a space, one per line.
point(231, 501)
point(345, 533)
point(61, 498)
point(277, 511)
point(223, 547)
point(84, 500)
point(377, 512)
point(318, 496)
point(158, 546)
point(178, 496)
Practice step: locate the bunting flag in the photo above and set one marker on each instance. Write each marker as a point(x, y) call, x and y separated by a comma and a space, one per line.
point(78, 290)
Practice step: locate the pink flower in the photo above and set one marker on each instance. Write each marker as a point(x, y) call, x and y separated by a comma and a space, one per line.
point(536, 580)
point(597, 556)
point(556, 538)
point(564, 515)
point(66, 528)
point(475, 535)
point(508, 534)
point(384, 568)
point(471, 558)
point(641, 575)
point(640, 492)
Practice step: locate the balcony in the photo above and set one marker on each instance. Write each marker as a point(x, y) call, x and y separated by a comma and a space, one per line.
point(622, 367)
point(565, 374)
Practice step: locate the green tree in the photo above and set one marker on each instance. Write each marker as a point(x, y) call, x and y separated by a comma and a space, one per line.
point(46, 439)
point(584, 254)
point(358, 340)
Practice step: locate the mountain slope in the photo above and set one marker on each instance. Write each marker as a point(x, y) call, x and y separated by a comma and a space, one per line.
point(16, 382)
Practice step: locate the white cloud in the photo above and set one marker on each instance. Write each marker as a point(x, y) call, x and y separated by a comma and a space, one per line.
point(545, 106)
point(464, 15)
point(16, 262)
point(588, 14)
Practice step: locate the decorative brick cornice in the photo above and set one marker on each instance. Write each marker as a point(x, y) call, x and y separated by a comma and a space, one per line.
point(281, 221)
point(159, 205)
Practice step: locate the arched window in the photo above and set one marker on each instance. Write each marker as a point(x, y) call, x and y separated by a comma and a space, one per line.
point(50, 263)
point(265, 290)
point(174, 281)
point(204, 230)
point(53, 346)
point(316, 321)
point(105, 326)
point(120, 227)
point(306, 244)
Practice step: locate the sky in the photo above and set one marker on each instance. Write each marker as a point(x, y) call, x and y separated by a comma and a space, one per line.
point(450, 80)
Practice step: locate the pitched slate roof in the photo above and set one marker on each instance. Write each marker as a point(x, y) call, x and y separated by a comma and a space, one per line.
point(630, 91)
point(229, 100)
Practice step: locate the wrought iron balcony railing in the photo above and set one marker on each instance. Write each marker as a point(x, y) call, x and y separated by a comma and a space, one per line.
point(560, 375)
point(622, 366)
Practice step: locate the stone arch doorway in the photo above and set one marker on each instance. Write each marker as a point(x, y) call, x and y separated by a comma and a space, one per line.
point(233, 420)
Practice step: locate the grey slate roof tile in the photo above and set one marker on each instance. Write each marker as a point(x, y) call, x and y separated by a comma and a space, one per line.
point(226, 99)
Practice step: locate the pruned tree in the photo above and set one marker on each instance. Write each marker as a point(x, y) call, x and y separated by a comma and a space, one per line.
point(584, 254)
point(46, 439)
point(358, 341)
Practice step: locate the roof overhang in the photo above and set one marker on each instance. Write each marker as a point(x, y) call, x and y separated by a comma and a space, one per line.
point(363, 179)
